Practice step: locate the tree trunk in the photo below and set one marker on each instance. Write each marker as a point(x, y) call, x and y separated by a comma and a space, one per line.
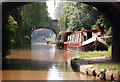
point(116, 38)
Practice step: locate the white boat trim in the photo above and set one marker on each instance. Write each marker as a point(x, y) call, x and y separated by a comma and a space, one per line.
point(65, 42)
point(89, 40)
point(93, 39)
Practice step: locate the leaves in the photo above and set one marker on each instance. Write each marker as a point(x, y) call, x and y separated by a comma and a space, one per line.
point(30, 17)
point(19, 25)
point(9, 30)
point(76, 15)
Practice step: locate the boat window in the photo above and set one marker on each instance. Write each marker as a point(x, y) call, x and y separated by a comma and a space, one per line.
point(74, 39)
point(65, 37)
point(79, 37)
point(99, 35)
point(67, 34)
point(70, 39)
point(84, 38)
point(89, 35)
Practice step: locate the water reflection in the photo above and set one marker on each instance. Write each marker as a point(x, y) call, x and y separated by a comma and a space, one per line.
point(54, 74)
point(26, 64)
point(43, 51)
point(43, 62)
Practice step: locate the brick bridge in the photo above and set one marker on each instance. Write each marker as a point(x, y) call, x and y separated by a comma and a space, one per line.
point(55, 27)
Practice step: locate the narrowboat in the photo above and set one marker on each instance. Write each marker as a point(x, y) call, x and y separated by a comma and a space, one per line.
point(87, 40)
point(61, 41)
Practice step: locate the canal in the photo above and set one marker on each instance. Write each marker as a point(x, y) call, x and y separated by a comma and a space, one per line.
point(41, 62)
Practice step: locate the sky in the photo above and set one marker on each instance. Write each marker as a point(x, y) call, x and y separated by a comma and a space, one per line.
point(51, 7)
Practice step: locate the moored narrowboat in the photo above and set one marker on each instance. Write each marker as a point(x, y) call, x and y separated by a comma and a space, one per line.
point(61, 41)
point(87, 40)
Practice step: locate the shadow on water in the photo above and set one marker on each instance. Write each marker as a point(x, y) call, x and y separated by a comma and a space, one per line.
point(28, 64)
point(74, 67)
point(25, 64)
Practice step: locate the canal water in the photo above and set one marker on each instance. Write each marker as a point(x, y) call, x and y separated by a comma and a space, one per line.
point(42, 62)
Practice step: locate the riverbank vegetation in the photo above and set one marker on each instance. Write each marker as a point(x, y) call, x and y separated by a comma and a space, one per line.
point(106, 67)
point(51, 40)
point(90, 54)
point(20, 23)
point(75, 15)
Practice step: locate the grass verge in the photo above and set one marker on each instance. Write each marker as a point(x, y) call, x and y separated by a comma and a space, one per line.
point(51, 42)
point(106, 67)
point(90, 54)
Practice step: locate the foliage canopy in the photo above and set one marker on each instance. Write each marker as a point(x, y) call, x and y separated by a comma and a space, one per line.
point(19, 25)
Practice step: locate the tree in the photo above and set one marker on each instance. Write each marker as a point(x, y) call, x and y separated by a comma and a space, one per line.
point(30, 17)
point(58, 10)
point(76, 15)
point(18, 26)
point(103, 24)
point(9, 30)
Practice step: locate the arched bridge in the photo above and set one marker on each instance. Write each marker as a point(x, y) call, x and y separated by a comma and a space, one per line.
point(110, 9)
point(55, 27)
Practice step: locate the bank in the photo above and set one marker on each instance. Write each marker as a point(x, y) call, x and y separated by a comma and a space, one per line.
point(98, 64)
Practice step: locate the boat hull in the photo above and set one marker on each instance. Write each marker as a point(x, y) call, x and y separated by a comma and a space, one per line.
point(89, 47)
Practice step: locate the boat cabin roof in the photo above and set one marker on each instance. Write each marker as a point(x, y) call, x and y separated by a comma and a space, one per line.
point(94, 31)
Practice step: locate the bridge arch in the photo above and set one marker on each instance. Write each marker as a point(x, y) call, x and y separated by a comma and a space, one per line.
point(46, 28)
point(42, 35)
point(110, 9)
